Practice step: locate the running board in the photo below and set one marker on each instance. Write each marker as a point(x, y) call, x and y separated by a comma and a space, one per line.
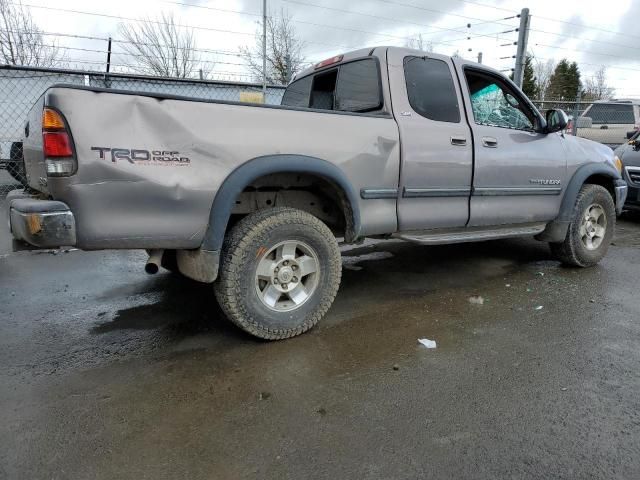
point(470, 234)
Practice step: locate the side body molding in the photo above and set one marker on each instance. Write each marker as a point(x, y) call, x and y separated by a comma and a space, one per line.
point(556, 230)
point(247, 172)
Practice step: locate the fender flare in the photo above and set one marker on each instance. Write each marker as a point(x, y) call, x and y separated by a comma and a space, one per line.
point(257, 167)
point(576, 182)
point(556, 230)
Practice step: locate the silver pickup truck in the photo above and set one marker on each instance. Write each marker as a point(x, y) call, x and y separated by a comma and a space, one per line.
point(383, 142)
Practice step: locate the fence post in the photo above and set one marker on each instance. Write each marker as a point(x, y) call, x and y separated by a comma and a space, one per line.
point(576, 112)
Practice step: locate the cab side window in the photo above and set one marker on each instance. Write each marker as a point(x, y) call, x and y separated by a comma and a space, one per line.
point(495, 104)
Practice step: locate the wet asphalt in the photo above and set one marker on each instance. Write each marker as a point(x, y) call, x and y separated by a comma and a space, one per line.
point(107, 373)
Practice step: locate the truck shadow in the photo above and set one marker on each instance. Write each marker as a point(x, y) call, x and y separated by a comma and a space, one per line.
point(372, 274)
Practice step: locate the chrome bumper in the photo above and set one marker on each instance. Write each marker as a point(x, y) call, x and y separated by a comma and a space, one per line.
point(621, 195)
point(41, 223)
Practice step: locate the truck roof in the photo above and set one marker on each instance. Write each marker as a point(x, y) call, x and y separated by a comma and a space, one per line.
point(365, 52)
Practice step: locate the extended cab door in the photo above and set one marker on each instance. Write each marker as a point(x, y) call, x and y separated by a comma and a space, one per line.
point(519, 173)
point(436, 165)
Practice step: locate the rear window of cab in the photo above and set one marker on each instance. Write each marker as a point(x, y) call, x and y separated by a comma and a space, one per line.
point(350, 87)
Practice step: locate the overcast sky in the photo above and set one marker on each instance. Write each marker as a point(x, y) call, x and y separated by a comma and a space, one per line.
point(593, 33)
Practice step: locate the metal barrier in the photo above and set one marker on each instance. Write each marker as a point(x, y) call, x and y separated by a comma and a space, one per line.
point(20, 87)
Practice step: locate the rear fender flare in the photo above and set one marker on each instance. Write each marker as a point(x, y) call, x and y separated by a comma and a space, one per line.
point(246, 173)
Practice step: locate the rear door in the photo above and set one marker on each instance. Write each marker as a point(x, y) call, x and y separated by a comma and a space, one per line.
point(436, 167)
point(519, 173)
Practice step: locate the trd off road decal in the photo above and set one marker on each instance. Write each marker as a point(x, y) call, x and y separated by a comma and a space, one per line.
point(142, 157)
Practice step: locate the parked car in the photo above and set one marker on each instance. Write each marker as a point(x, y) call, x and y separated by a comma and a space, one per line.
point(629, 154)
point(381, 142)
point(609, 121)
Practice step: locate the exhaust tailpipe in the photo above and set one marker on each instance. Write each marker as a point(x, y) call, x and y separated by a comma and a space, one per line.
point(153, 263)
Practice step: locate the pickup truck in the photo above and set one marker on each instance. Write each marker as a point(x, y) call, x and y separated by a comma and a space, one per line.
point(381, 142)
point(609, 121)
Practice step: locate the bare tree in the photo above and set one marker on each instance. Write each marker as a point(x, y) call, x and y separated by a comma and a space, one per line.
point(417, 42)
point(162, 47)
point(284, 50)
point(596, 87)
point(21, 41)
point(543, 72)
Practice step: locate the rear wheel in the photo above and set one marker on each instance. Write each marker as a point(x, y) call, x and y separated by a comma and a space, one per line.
point(591, 230)
point(279, 274)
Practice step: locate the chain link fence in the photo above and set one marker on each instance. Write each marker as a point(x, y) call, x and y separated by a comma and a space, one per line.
point(610, 122)
point(21, 87)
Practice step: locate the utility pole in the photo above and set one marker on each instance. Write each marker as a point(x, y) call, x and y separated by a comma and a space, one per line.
point(479, 57)
point(109, 55)
point(264, 50)
point(521, 54)
point(287, 60)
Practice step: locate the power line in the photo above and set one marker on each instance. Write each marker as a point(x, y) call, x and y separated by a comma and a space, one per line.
point(401, 4)
point(118, 17)
point(586, 27)
point(587, 52)
point(379, 17)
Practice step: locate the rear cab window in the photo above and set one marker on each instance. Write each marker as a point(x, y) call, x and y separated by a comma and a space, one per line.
point(353, 86)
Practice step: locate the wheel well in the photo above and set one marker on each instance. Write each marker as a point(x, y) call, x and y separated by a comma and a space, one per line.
point(314, 194)
point(604, 181)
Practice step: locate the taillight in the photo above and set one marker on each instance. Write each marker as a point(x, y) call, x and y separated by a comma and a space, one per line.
point(57, 145)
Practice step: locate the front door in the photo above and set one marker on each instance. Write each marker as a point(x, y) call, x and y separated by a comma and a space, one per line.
point(437, 163)
point(519, 172)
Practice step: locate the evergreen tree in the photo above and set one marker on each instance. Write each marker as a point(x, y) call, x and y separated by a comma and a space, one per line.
point(565, 81)
point(529, 80)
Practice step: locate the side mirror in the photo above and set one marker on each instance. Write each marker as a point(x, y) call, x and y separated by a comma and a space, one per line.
point(557, 120)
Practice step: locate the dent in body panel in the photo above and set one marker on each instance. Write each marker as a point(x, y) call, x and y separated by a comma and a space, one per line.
point(168, 206)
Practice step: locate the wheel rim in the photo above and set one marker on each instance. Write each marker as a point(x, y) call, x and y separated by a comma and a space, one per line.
point(593, 226)
point(287, 275)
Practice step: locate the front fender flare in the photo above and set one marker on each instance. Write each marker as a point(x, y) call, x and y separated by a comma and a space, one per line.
point(242, 176)
point(557, 229)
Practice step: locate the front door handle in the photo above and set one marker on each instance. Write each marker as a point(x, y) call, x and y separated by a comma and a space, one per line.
point(458, 141)
point(489, 142)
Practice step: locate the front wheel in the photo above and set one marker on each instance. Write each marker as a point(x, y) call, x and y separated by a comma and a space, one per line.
point(279, 274)
point(591, 229)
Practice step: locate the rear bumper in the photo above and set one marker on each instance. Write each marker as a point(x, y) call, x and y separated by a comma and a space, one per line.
point(621, 195)
point(41, 223)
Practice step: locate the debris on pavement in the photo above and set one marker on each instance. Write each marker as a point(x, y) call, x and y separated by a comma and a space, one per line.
point(427, 343)
point(541, 274)
point(396, 366)
point(539, 307)
point(476, 300)
point(355, 268)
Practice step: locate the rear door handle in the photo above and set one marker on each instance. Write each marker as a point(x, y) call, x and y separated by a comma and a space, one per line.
point(489, 142)
point(458, 141)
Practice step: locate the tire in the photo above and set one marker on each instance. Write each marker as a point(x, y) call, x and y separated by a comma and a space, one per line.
point(15, 165)
point(580, 248)
point(260, 255)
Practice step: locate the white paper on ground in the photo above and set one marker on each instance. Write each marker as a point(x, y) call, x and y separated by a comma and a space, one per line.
point(427, 343)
